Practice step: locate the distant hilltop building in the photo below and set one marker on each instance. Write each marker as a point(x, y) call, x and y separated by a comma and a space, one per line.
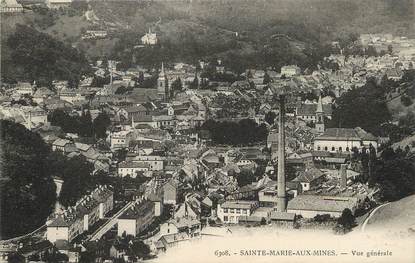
point(56, 4)
point(10, 6)
point(149, 38)
point(367, 39)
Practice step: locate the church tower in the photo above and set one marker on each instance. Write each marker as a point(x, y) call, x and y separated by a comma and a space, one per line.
point(162, 85)
point(320, 116)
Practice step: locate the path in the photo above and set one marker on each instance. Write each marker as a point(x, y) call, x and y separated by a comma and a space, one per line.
point(362, 229)
point(108, 225)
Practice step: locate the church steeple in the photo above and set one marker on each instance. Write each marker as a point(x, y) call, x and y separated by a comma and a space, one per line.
point(162, 85)
point(320, 116)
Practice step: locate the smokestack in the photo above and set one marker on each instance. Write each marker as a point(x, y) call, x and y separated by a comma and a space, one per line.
point(281, 158)
point(343, 176)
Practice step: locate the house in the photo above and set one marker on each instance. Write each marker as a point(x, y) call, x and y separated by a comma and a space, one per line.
point(188, 209)
point(10, 6)
point(290, 71)
point(64, 145)
point(157, 199)
point(170, 192)
point(77, 219)
point(65, 248)
point(35, 250)
point(268, 195)
point(172, 240)
point(282, 218)
point(230, 211)
point(132, 168)
point(191, 226)
point(129, 113)
point(344, 140)
point(310, 178)
point(120, 139)
point(155, 162)
point(149, 38)
point(308, 206)
point(24, 88)
point(307, 112)
point(118, 250)
point(41, 94)
point(137, 218)
point(56, 4)
point(34, 116)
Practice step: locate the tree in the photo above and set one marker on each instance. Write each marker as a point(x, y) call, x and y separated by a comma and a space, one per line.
point(394, 175)
point(140, 77)
point(139, 249)
point(195, 83)
point(176, 85)
point(345, 222)
point(364, 102)
point(27, 189)
point(390, 49)
point(270, 117)
point(48, 60)
point(245, 177)
point(101, 123)
point(76, 174)
point(406, 100)
point(86, 127)
point(267, 79)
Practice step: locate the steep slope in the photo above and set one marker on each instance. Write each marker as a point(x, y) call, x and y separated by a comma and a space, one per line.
point(399, 215)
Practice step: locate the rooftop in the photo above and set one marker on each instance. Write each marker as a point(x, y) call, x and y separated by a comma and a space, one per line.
point(321, 203)
point(348, 134)
point(239, 204)
point(138, 210)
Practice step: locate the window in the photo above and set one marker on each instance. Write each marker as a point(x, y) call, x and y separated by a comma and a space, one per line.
point(225, 218)
point(333, 148)
point(340, 149)
point(347, 149)
point(318, 148)
point(325, 148)
point(238, 211)
point(232, 211)
point(225, 210)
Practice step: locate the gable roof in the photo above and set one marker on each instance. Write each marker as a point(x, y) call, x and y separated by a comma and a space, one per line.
point(348, 134)
point(309, 175)
point(321, 203)
point(311, 109)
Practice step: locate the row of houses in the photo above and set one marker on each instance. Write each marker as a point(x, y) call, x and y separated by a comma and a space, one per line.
point(77, 219)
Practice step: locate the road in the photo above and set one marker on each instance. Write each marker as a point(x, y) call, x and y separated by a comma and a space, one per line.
point(16, 239)
point(362, 229)
point(108, 225)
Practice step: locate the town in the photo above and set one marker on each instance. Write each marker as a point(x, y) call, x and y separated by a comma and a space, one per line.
point(143, 159)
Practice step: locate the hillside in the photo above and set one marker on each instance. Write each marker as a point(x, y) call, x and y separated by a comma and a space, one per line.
point(47, 60)
point(399, 215)
point(242, 33)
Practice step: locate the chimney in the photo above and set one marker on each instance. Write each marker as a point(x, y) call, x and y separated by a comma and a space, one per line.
point(281, 157)
point(343, 175)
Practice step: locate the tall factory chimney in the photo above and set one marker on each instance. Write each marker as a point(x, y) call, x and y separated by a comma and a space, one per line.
point(281, 158)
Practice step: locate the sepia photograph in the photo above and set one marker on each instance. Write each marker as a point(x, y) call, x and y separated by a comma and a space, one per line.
point(207, 131)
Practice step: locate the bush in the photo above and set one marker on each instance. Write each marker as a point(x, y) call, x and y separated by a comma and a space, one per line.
point(406, 100)
point(345, 222)
point(322, 218)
